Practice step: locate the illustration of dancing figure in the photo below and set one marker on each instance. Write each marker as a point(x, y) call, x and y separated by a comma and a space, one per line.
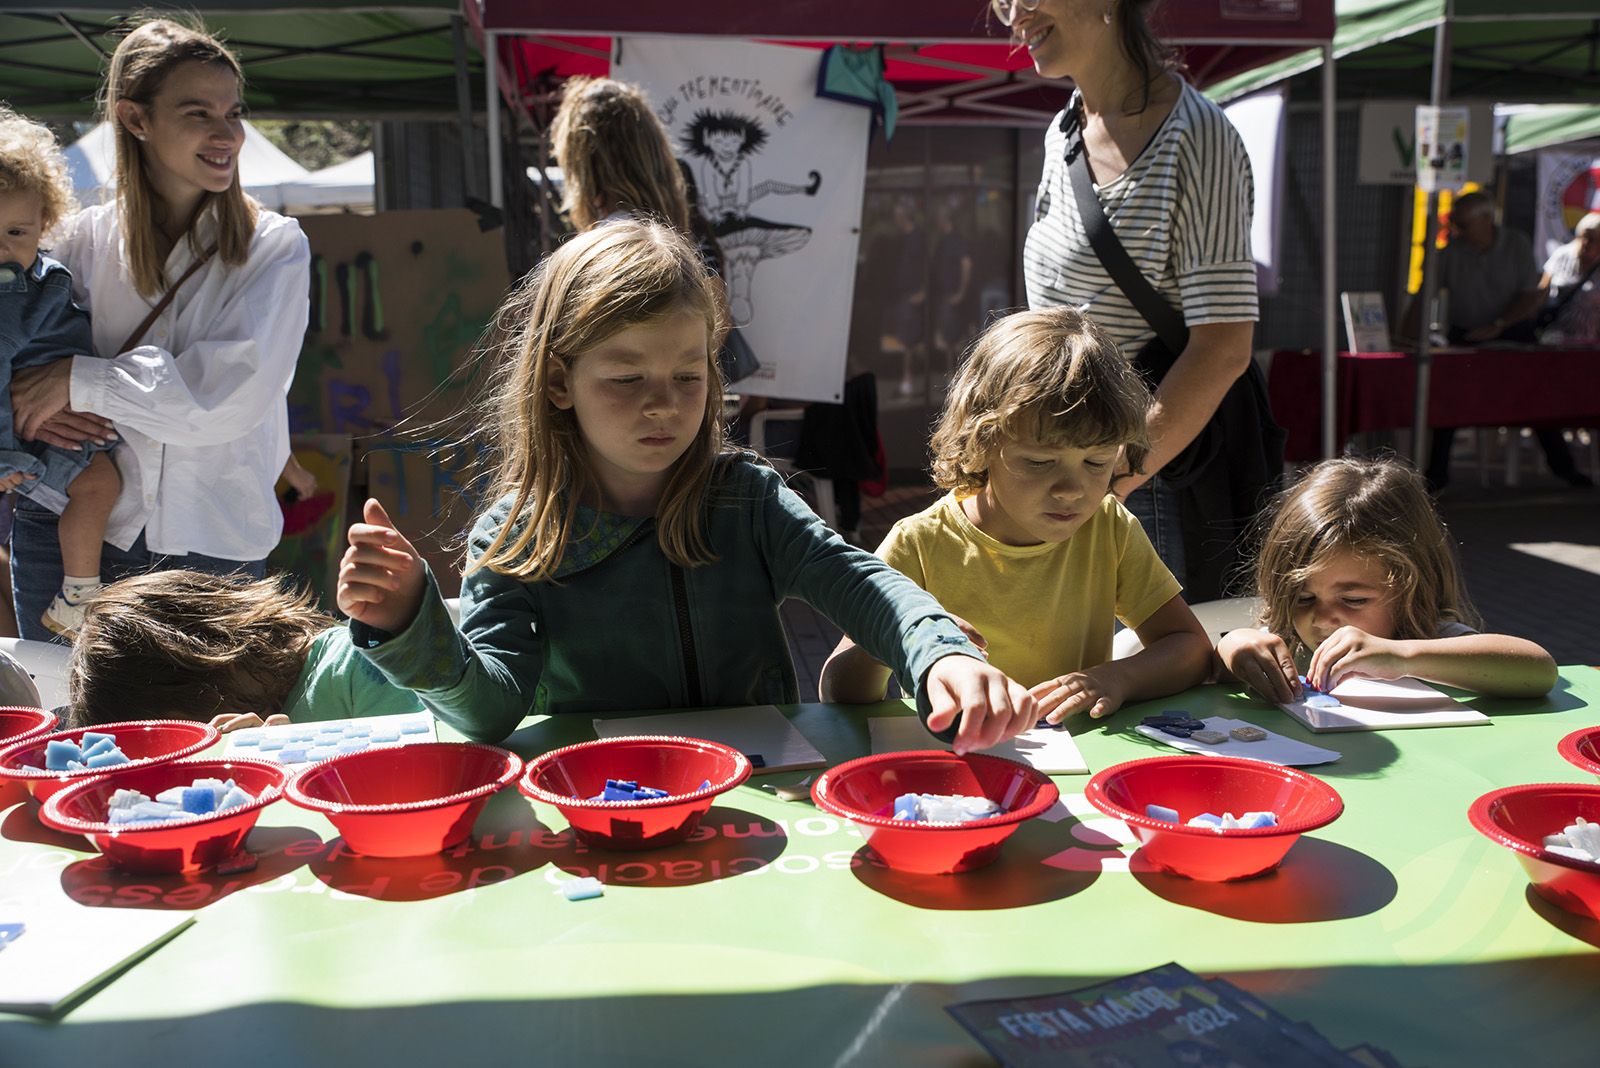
point(723, 143)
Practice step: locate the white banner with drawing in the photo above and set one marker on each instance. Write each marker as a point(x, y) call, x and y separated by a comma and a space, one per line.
point(1569, 188)
point(779, 174)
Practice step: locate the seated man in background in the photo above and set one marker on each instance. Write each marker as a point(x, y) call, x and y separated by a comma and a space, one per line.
point(1494, 292)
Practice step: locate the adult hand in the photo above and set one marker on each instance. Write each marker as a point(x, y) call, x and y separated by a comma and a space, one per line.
point(1350, 651)
point(1069, 694)
point(992, 708)
point(37, 393)
point(1262, 662)
point(381, 577)
point(69, 428)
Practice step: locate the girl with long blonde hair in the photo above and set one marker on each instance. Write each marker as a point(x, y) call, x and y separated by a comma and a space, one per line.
point(1358, 579)
point(630, 559)
point(199, 300)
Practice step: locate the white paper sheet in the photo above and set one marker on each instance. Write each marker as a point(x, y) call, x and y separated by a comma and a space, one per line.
point(1382, 705)
point(758, 729)
point(1274, 748)
point(1045, 748)
point(64, 949)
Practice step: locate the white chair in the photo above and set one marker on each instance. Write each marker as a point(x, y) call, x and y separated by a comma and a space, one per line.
point(1217, 617)
point(46, 662)
point(821, 488)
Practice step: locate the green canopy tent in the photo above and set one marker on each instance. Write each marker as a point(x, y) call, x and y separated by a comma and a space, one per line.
point(1557, 124)
point(306, 58)
point(1529, 51)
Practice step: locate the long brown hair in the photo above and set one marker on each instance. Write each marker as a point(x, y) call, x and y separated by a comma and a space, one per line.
point(1050, 376)
point(139, 67)
point(615, 155)
point(1375, 508)
point(187, 645)
point(1150, 56)
point(600, 282)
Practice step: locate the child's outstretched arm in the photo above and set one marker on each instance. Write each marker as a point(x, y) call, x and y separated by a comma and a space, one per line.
point(1176, 656)
point(1261, 661)
point(1496, 664)
point(853, 676)
point(381, 577)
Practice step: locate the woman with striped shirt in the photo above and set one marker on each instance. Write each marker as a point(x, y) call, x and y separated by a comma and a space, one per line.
point(1173, 180)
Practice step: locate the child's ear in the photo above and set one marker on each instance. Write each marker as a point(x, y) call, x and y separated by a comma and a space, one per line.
point(558, 384)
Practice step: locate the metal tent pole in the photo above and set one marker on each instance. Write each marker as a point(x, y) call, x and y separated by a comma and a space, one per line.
point(491, 81)
point(469, 154)
point(1330, 258)
point(1422, 439)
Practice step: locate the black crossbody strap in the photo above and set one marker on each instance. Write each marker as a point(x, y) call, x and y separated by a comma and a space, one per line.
point(1163, 318)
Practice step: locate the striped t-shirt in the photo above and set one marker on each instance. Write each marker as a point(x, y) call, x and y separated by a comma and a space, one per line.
point(1181, 209)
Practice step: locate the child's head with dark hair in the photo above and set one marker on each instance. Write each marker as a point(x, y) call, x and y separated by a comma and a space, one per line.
point(187, 645)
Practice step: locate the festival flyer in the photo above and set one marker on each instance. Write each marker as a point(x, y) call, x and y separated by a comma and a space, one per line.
point(1167, 1015)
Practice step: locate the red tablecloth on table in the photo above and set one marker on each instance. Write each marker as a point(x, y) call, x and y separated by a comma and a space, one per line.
point(1469, 387)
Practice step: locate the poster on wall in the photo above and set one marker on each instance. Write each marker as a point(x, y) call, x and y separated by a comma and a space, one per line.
point(1569, 188)
point(1442, 148)
point(1387, 145)
point(780, 174)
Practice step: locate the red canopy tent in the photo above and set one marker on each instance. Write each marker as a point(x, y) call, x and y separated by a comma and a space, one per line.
point(948, 60)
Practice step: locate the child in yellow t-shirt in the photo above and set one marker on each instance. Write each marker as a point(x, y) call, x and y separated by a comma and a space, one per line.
point(1030, 547)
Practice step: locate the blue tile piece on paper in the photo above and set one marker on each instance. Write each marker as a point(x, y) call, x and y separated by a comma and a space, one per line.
point(301, 743)
point(10, 932)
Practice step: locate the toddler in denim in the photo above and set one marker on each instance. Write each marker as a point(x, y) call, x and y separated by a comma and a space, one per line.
point(40, 323)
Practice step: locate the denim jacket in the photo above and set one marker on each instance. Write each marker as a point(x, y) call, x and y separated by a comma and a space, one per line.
point(622, 628)
point(39, 323)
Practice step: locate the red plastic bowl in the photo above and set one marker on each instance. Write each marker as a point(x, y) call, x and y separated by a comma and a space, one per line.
point(1582, 749)
point(567, 778)
point(1518, 817)
point(186, 845)
point(146, 742)
point(18, 723)
point(1196, 784)
point(405, 801)
point(863, 792)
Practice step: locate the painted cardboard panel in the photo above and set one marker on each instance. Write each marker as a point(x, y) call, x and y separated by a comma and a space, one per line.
point(314, 526)
point(399, 302)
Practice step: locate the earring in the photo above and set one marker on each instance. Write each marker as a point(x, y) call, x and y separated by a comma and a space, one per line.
point(1107, 16)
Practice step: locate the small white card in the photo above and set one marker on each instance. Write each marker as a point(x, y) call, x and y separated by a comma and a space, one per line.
point(758, 730)
point(1274, 748)
point(293, 744)
point(53, 953)
point(1382, 705)
point(1045, 748)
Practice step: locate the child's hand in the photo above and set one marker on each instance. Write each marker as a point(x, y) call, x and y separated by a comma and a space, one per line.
point(1351, 651)
point(1061, 697)
point(973, 634)
point(238, 721)
point(13, 480)
point(381, 576)
point(1262, 662)
point(992, 707)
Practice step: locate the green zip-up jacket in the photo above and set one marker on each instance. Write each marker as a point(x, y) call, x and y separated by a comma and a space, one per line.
point(622, 628)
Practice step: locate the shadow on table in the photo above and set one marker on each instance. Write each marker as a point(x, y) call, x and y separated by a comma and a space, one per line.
point(1580, 927)
point(1560, 699)
point(95, 883)
point(22, 824)
point(1318, 880)
point(1024, 875)
point(483, 859)
point(729, 842)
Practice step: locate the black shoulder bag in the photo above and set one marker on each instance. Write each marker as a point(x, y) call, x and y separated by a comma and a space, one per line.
point(1226, 471)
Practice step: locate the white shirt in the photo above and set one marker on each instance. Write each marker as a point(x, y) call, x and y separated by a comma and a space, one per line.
point(200, 402)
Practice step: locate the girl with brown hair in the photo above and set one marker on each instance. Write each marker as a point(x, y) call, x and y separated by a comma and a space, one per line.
point(199, 301)
point(1358, 579)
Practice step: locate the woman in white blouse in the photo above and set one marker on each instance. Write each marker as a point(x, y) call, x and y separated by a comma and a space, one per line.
point(197, 402)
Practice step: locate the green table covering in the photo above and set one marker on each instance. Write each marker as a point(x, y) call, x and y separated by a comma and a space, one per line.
point(775, 940)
